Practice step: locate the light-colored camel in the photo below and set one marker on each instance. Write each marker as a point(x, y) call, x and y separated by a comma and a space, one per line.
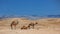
point(14, 24)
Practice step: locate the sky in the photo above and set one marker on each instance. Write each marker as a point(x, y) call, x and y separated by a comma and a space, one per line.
point(30, 7)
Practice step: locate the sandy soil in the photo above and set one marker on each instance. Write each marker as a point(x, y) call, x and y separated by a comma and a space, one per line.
point(45, 26)
point(31, 31)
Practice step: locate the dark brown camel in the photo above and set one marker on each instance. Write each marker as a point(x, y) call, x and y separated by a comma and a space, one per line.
point(24, 27)
point(14, 24)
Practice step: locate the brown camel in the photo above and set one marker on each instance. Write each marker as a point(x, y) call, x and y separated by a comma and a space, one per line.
point(14, 24)
point(32, 24)
point(28, 27)
point(24, 27)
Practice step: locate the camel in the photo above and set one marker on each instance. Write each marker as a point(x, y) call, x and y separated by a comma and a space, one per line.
point(28, 27)
point(24, 27)
point(32, 24)
point(14, 24)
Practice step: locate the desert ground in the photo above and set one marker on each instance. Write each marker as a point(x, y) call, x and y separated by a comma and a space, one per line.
point(44, 26)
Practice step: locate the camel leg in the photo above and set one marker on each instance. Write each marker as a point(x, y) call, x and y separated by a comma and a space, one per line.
point(33, 26)
point(29, 26)
point(14, 26)
point(11, 26)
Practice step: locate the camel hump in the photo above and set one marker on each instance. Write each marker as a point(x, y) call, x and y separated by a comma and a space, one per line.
point(36, 23)
point(14, 22)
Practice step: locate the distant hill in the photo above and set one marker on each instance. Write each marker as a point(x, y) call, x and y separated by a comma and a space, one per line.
point(55, 16)
point(32, 17)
